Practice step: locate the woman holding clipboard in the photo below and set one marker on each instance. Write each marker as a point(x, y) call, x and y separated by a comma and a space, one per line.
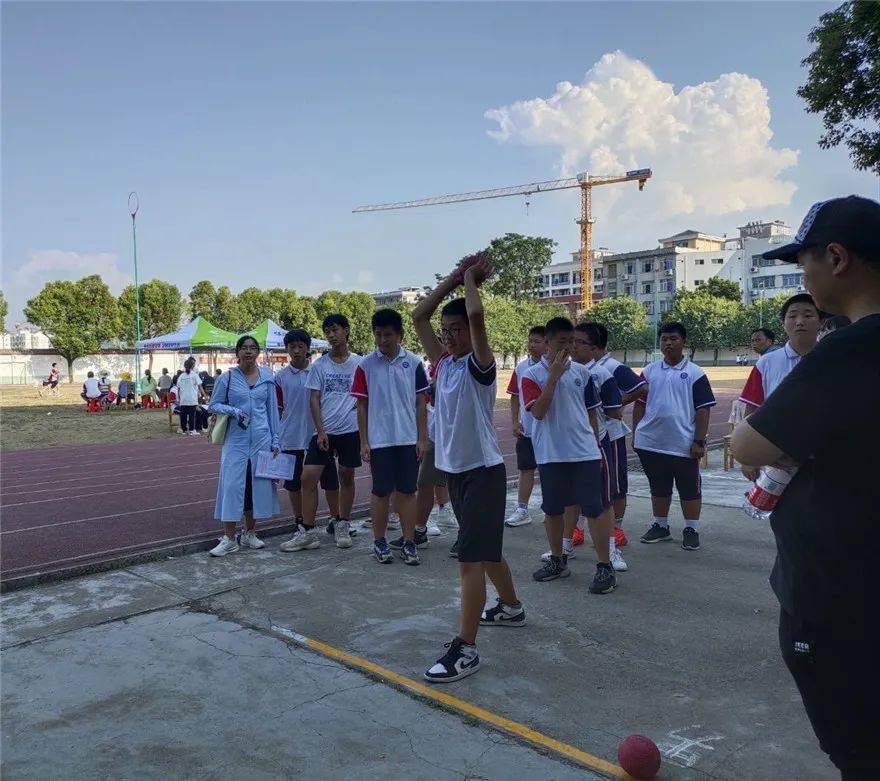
point(246, 393)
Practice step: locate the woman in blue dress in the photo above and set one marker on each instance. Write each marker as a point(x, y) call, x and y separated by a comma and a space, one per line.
point(247, 394)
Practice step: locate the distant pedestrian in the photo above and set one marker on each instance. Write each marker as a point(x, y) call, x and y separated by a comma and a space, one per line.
point(761, 340)
point(825, 521)
point(247, 394)
point(164, 384)
point(189, 393)
point(51, 381)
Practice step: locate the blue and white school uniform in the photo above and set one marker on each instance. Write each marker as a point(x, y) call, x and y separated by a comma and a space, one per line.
point(241, 446)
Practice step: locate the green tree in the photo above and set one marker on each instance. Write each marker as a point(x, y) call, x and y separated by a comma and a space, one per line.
point(843, 83)
point(710, 320)
point(410, 339)
point(517, 263)
point(252, 306)
point(225, 312)
point(161, 310)
point(625, 320)
point(202, 298)
point(76, 316)
point(723, 288)
point(299, 312)
point(4, 310)
point(765, 313)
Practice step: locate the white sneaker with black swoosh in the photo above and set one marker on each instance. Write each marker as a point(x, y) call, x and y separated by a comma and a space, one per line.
point(458, 662)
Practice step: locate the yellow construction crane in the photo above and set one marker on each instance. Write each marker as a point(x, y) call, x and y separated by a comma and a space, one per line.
point(586, 182)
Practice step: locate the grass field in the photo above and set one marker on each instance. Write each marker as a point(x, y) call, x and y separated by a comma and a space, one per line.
point(29, 422)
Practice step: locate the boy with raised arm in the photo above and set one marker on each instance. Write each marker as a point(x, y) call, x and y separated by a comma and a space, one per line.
point(466, 447)
point(390, 385)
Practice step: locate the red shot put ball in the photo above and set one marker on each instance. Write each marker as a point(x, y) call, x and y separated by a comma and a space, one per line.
point(640, 757)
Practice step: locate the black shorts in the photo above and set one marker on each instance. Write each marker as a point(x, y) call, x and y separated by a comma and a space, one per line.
point(394, 468)
point(345, 447)
point(525, 454)
point(617, 466)
point(580, 483)
point(329, 477)
point(662, 469)
point(429, 475)
point(51, 383)
point(835, 669)
point(479, 501)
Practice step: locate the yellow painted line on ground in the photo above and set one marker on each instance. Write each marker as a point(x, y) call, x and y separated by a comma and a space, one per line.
point(463, 707)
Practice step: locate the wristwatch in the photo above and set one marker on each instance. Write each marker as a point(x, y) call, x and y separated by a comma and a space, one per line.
point(700, 442)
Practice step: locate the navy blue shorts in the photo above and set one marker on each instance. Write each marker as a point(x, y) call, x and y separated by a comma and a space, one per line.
point(615, 458)
point(525, 454)
point(329, 477)
point(394, 469)
point(662, 470)
point(581, 483)
point(345, 447)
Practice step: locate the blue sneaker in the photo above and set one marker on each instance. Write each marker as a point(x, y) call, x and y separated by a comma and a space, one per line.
point(382, 552)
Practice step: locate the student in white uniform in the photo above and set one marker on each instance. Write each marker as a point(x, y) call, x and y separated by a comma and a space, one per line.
point(335, 416)
point(671, 422)
point(522, 428)
point(466, 448)
point(391, 388)
point(595, 337)
point(297, 429)
point(564, 400)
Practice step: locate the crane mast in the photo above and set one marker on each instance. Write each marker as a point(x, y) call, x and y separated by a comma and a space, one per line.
point(586, 182)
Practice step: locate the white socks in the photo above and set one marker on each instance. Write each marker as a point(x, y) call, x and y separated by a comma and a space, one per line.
point(692, 524)
point(664, 522)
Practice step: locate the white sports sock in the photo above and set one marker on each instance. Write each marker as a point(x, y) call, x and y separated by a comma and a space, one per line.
point(421, 528)
point(692, 524)
point(566, 543)
point(664, 522)
point(612, 545)
point(618, 523)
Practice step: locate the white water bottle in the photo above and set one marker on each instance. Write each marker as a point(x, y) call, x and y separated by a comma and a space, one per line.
point(771, 482)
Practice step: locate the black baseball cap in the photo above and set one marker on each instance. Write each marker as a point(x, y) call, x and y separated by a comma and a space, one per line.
point(853, 221)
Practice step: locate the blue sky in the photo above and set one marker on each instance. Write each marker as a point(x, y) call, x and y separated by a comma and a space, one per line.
point(250, 131)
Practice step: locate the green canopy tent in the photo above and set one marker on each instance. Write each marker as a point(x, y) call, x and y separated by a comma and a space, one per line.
point(194, 336)
point(270, 335)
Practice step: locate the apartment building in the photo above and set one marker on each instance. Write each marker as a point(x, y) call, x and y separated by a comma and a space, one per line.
point(409, 295)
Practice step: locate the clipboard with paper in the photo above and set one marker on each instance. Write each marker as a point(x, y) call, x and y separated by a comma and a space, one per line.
point(281, 467)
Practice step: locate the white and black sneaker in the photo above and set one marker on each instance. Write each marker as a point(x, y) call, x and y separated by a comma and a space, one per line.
point(382, 552)
point(503, 615)
point(420, 538)
point(556, 567)
point(690, 538)
point(409, 554)
point(656, 533)
point(458, 662)
point(604, 581)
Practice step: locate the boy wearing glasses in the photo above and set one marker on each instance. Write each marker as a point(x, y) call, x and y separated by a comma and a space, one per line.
point(466, 447)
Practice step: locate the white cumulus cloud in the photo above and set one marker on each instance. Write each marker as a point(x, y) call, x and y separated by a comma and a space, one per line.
point(50, 264)
point(709, 145)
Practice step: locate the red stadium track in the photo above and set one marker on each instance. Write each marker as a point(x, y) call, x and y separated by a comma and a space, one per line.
point(70, 510)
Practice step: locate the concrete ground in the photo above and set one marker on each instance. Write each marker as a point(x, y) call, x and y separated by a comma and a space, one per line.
point(170, 668)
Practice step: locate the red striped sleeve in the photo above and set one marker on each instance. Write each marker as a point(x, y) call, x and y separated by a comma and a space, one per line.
point(512, 387)
point(531, 391)
point(753, 391)
point(359, 384)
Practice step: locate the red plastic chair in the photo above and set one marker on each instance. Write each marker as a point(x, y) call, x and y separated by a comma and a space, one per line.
point(147, 402)
point(95, 405)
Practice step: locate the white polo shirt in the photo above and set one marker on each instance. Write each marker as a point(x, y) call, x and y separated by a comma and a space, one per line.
point(513, 388)
point(675, 393)
point(564, 434)
point(610, 396)
point(390, 387)
point(91, 388)
point(338, 406)
point(627, 381)
point(464, 429)
point(770, 370)
point(297, 426)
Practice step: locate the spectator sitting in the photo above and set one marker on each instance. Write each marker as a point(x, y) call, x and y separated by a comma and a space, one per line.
point(207, 382)
point(91, 389)
point(125, 391)
point(148, 387)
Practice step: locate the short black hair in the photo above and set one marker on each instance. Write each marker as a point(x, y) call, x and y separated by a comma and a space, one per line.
point(218, 372)
point(596, 332)
point(800, 298)
point(385, 318)
point(538, 330)
point(335, 319)
point(766, 331)
point(455, 308)
point(241, 340)
point(55, 363)
point(297, 335)
point(672, 328)
point(556, 325)
point(90, 374)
